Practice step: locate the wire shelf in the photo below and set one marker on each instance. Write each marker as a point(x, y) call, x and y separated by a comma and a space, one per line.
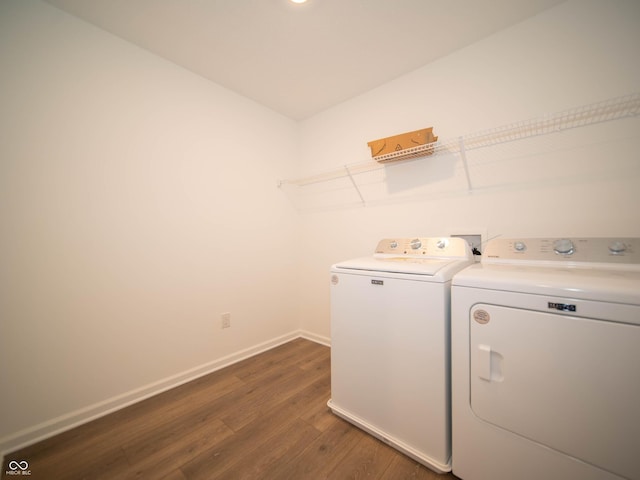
point(612, 109)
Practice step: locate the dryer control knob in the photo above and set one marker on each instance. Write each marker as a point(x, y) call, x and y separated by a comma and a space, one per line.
point(416, 243)
point(617, 247)
point(442, 243)
point(520, 246)
point(563, 246)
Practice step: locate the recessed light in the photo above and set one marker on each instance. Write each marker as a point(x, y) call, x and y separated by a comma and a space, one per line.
point(298, 1)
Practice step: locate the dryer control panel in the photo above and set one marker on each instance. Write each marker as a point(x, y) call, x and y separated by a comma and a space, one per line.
point(424, 247)
point(578, 250)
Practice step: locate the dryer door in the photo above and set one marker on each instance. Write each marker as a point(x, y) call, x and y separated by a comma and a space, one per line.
point(565, 382)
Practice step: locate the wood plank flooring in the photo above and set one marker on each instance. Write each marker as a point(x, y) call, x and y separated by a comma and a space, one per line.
point(263, 418)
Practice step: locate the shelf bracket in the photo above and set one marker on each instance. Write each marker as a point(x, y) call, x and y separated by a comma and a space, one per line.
point(463, 157)
point(353, 182)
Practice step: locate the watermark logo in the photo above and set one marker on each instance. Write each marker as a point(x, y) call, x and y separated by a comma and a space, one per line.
point(16, 467)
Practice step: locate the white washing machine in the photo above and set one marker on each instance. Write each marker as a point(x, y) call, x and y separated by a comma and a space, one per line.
point(546, 361)
point(390, 337)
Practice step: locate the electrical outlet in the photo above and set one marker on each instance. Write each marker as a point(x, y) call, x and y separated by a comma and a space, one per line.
point(226, 319)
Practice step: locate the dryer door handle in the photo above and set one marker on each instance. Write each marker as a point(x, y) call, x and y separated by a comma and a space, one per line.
point(488, 364)
point(483, 362)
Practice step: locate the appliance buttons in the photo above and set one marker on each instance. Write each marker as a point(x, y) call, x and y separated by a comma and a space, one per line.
point(442, 243)
point(564, 246)
point(617, 247)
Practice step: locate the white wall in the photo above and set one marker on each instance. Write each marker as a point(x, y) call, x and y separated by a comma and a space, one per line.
point(579, 183)
point(138, 202)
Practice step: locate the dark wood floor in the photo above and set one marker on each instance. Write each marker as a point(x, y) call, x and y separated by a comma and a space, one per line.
point(262, 418)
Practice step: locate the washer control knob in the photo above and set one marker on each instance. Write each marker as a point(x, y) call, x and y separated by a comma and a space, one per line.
point(520, 246)
point(416, 243)
point(617, 247)
point(442, 243)
point(564, 246)
point(393, 244)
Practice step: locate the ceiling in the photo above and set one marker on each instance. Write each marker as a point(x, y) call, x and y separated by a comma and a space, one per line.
point(301, 59)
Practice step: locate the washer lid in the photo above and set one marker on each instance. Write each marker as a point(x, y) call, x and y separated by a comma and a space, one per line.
point(410, 265)
point(433, 259)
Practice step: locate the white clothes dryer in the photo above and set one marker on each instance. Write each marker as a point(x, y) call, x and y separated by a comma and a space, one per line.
point(546, 361)
point(390, 344)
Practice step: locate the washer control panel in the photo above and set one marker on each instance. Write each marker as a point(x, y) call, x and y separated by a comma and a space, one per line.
point(427, 247)
point(591, 250)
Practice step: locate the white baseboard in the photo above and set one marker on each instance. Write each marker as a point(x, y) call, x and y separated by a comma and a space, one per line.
point(321, 339)
point(49, 428)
